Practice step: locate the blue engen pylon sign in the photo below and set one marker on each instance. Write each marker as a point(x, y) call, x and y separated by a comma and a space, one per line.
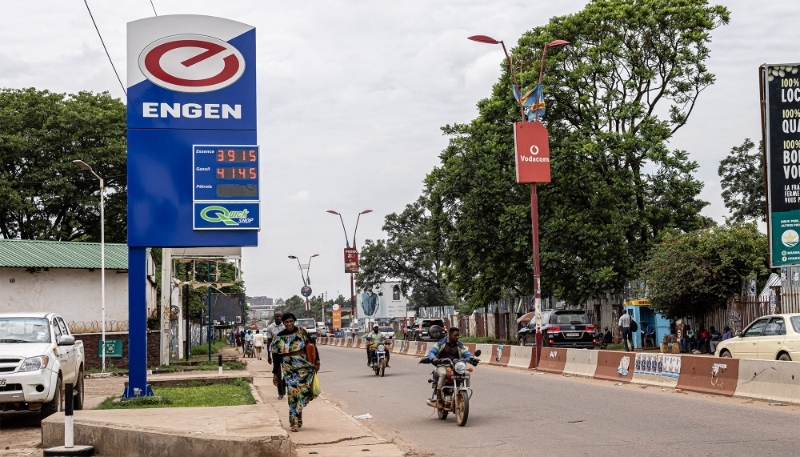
point(193, 155)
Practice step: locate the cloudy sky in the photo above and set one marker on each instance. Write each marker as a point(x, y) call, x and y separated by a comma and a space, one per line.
point(352, 95)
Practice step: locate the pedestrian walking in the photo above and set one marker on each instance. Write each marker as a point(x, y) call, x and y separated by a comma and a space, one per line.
point(625, 325)
point(239, 341)
point(232, 340)
point(300, 361)
point(271, 332)
point(258, 341)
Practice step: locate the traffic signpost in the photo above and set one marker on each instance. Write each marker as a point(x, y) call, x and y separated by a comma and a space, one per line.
point(193, 159)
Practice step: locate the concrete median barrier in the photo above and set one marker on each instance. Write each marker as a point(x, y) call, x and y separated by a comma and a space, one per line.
point(422, 349)
point(709, 375)
point(471, 348)
point(398, 346)
point(553, 360)
point(522, 357)
point(486, 352)
point(769, 380)
point(581, 362)
point(501, 353)
point(657, 369)
point(614, 366)
point(412, 348)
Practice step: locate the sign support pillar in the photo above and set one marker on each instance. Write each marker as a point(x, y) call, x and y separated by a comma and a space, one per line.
point(137, 324)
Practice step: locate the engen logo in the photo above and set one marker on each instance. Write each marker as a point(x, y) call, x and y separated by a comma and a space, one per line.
point(191, 63)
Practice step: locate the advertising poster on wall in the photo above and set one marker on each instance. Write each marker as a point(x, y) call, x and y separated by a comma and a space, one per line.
point(780, 92)
point(383, 302)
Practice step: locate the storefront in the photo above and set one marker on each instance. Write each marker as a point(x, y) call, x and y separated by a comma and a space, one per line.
point(641, 312)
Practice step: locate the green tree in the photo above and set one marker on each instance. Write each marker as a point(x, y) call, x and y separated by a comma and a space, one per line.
point(295, 305)
point(42, 194)
point(690, 273)
point(742, 173)
point(413, 254)
point(616, 96)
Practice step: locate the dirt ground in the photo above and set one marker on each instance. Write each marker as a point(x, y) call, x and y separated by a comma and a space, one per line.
point(20, 432)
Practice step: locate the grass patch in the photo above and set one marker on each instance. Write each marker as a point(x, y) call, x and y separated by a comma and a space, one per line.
point(234, 393)
point(179, 365)
point(216, 345)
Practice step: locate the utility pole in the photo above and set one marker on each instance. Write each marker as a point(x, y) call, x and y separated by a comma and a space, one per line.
point(166, 302)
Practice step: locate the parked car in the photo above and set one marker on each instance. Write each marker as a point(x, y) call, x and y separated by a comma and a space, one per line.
point(38, 356)
point(388, 332)
point(773, 337)
point(427, 330)
point(564, 328)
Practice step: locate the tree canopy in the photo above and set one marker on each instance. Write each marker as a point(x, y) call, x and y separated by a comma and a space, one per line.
point(742, 173)
point(689, 273)
point(413, 254)
point(43, 195)
point(628, 81)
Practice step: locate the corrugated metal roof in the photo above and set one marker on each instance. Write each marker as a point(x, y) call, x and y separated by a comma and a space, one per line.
point(60, 254)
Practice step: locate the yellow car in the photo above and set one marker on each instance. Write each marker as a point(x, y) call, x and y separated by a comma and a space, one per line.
point(774, 337)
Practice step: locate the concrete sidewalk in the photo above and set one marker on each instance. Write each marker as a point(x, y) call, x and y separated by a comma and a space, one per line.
point(327, 430)
point(251, 430)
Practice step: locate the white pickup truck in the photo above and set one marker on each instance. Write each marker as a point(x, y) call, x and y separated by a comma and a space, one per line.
point(38, 356)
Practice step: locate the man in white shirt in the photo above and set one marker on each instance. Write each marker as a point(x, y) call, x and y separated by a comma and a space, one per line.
point(271, 332)
point(258, 342)
point(625, 325)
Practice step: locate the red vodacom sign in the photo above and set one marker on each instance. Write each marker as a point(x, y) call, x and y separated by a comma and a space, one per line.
point(532, 152)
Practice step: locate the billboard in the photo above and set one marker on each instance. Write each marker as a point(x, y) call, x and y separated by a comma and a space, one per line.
point(193, 159)
point(383, 302)
point(780, 94)
point(531, 152)
point(350, 260)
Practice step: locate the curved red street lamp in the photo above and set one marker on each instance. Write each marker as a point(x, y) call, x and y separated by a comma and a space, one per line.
point(306, 279)
point(534, 197)
point(490, 40)
point(347, 244)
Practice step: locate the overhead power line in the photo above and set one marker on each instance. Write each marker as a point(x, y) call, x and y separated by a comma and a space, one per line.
point(104, 46)
point(154, 7)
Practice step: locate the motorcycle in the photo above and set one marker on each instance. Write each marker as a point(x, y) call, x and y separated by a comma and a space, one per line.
point(455, 393)
point(599, 340)
point(378, 358)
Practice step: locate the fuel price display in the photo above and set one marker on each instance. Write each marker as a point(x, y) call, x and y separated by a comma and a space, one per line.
point(225, 173)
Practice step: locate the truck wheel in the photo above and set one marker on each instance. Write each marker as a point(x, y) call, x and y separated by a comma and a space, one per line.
point(54, 406)
point(78, 392)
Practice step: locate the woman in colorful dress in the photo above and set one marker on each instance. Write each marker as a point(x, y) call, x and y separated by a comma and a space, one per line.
point(298, 372)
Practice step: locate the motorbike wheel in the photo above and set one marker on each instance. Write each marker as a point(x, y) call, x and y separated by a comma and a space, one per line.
point(383, 367)
point(377, 368)
point(462, 408)
point(441, 413)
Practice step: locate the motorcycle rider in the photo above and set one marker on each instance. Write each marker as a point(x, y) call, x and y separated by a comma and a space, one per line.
point(448, 347)
point(377, 338)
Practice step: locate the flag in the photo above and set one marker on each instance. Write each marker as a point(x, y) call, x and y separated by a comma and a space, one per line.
point(533, 100)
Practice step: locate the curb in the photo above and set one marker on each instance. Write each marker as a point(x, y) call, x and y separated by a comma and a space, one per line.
point(744, 378)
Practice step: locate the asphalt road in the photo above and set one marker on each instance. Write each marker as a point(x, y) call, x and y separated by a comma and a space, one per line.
point(515, 412)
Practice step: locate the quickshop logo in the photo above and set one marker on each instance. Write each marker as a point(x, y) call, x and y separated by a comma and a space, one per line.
point(216, 214)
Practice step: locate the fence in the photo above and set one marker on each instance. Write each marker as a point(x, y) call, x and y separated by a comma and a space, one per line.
point(78, 327)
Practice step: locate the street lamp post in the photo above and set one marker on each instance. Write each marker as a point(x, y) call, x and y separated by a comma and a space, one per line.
point(306, 279)
point(85, 166)
point(347, 244)
point(537, 289)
